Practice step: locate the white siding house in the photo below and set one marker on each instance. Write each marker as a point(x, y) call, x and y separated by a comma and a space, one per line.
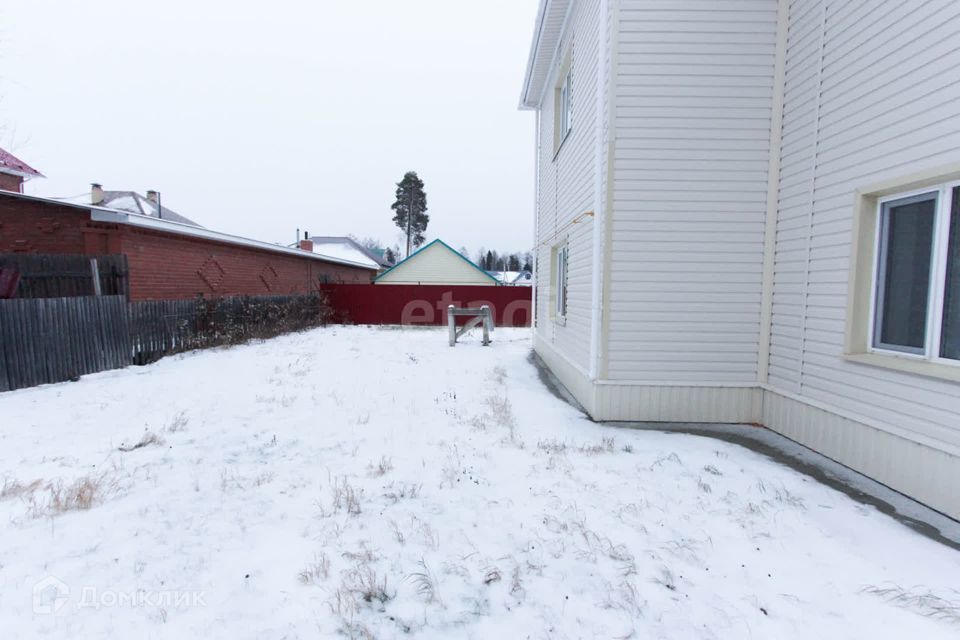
point(745, 214)
point(436, 263)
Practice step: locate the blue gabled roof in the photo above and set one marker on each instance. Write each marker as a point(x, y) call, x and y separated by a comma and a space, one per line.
point(449, 248)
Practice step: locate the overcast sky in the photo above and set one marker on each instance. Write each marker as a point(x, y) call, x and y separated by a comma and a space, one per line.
point(259, 117)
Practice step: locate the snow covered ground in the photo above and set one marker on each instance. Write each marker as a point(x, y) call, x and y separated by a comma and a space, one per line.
point(377, 483)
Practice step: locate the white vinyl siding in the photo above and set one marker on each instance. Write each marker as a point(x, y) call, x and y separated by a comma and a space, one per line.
point(693, 97)
point(436, 264)
point(567, 190)
point(870, 96)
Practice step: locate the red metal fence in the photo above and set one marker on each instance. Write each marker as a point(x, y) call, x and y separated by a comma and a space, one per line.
point(426, 304)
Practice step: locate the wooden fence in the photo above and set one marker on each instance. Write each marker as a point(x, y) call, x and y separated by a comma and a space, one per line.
point(65, 276)
point(56, 339)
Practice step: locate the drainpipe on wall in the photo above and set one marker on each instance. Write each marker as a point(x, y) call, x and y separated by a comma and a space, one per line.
point(599, 193)
point(773, 194)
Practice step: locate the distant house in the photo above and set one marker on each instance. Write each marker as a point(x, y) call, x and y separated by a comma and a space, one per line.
point(348, 249)
point(132, 202)
point(14, 172)
point(515, 278)
point(436, 263)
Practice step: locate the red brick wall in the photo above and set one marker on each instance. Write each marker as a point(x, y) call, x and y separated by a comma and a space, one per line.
point(39, 227)
point(166, 266)
point(10, 183)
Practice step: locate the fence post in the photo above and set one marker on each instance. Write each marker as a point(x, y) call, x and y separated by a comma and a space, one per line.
point(95, 275)
point(451, 325)
point(485, 310)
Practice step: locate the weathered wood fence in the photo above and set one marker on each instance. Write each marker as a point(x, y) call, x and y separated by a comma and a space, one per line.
point(55, 339)
point(65, 276)
point(48, 340)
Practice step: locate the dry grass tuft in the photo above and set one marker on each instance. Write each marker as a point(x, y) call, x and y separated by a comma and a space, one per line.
point(15, 488)
point(606, 445)
point(80, 495)
point(344, 497)
point(552, 447)
point(425, 583)
point(380, 469)
point(178, 423)
point(146, 440)
point(316, 571)
point(403, 492)
point(501, 412)
point(921, 601)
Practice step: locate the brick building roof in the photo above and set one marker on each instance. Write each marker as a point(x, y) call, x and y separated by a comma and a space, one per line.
point(10, 163)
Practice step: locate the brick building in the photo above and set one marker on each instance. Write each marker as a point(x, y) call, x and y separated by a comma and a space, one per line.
point(14, 172)
point(167, 259)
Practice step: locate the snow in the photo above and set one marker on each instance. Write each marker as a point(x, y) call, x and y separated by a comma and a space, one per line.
point(343, 251)
point(124, 203)
point(287, 474)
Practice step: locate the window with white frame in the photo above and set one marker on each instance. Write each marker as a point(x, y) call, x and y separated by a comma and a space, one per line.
point(564, 107)
point(560, 281)
point(916, 297)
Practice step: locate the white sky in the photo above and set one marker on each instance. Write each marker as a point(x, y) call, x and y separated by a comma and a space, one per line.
point(260, 117)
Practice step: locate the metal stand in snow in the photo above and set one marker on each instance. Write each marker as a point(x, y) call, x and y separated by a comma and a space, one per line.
point(480, 316)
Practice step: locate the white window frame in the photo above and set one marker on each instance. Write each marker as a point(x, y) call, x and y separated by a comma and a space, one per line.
point(566, 105)
point(933, 332)
point(561, 270)
point(563, 107)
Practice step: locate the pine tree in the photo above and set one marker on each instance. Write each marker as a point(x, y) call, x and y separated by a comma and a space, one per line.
point(513, 263)
point(489, 263)
point(410, 210)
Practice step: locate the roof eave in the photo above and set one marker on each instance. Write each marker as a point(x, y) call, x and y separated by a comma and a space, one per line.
point(26, 175)
point(542, 51)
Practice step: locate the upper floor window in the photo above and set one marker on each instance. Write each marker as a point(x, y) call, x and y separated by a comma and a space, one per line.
point(564, 108)
point(916, 298)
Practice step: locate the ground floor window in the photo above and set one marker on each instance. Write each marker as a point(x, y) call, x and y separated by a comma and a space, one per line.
point(916, 297)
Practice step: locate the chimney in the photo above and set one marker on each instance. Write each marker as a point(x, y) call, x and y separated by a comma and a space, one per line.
point(152, 196)
point(96, 193)
point(306, 245)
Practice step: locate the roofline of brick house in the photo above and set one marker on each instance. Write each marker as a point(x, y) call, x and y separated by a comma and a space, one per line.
point(103, 214)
